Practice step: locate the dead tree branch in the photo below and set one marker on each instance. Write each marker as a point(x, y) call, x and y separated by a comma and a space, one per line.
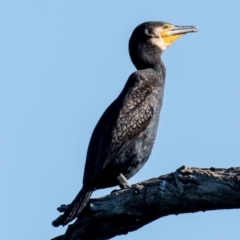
point(185, 191)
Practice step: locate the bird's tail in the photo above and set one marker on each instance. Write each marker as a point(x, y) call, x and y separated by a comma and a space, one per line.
point(74, 209)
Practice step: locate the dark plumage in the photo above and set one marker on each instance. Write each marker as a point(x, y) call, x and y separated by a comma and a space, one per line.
point(123, 138)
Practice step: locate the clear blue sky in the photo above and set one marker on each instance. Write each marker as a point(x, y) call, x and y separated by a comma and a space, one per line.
point(63, 62)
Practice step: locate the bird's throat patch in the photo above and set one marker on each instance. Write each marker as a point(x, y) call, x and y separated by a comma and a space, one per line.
point(169, 39)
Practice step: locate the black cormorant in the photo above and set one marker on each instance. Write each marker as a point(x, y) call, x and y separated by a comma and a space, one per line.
point(123, 138)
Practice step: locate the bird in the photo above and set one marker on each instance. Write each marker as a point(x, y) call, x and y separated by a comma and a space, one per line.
point(124, 136)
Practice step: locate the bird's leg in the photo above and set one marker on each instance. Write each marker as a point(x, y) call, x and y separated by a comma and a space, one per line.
point(123, 182)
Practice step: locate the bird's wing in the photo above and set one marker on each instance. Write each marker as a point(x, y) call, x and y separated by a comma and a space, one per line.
point(126, 118)
point(133, 118)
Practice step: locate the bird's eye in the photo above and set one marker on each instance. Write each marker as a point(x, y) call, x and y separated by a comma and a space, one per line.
point(165, 26)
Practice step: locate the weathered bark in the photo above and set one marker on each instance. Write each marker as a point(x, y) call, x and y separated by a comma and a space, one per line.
point(184, 191)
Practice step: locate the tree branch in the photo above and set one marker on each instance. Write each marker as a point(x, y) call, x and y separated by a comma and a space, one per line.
point(184, 191)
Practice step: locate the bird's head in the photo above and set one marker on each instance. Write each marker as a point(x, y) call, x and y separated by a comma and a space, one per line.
point(150, 39)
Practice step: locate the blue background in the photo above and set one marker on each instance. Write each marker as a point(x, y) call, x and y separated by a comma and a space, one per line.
point(63, 62)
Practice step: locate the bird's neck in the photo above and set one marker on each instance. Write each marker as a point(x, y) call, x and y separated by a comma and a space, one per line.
point(156, 64)
point(159, 66)
point(146, 56)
